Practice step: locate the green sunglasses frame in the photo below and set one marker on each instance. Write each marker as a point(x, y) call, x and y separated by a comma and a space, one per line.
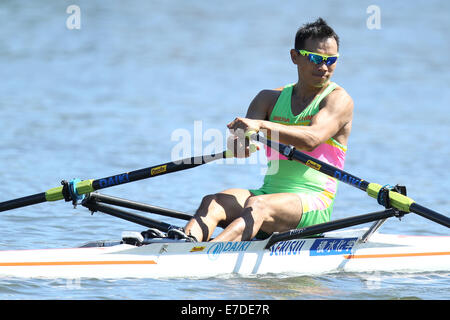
point(323, 56)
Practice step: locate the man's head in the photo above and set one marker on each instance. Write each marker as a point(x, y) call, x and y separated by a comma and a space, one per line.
point(315, 53)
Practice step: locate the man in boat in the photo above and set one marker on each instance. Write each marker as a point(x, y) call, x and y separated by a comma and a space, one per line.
point(315, 116)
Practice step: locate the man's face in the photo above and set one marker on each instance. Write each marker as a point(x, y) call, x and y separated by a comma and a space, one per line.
point(315, 75)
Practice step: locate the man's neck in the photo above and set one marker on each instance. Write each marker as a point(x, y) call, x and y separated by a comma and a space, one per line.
point(304, 92)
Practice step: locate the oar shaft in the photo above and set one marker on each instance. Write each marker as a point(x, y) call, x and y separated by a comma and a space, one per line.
point(22, 202)
point(396, 200)
point(150, 172)
point(430, 214)
point(87, 186)
point(314, 163)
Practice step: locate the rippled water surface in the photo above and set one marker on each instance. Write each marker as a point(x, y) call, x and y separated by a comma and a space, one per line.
point(111, 96)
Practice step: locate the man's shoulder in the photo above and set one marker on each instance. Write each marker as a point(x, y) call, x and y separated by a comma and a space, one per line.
point(338, 96)
point(268, 97)
point(270, 94)
point(340, 92)
point(262, 105)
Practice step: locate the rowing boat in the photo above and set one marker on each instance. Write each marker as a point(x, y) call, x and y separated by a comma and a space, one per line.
point(320, 249)
point(157, 252)
point(342, 251)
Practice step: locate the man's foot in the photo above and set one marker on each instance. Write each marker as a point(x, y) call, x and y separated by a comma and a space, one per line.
point(178, 233)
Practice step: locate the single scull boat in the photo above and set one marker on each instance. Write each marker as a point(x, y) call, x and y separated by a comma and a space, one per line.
point(161, 251)
point(158, 257)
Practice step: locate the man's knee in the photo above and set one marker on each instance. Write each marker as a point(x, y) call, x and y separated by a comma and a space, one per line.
point(258, 206)
point(208, 199)
point(210, 207)
point(222, 199)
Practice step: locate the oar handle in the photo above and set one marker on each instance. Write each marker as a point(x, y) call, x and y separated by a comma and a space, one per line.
point(253, 147)
point(252, 135)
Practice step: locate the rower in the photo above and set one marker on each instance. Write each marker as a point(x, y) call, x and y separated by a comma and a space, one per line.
point(315, 116)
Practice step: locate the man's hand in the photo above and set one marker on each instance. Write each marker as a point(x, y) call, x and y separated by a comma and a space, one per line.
point(239, 144)
point(244, 124)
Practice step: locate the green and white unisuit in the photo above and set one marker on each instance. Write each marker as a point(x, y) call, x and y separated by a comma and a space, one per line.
point(316, 190)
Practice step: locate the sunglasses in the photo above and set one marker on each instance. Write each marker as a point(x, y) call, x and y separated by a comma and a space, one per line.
point(317, 58)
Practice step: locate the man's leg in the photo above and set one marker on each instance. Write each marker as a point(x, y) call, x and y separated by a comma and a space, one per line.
point(269, 213)
point(217, 209)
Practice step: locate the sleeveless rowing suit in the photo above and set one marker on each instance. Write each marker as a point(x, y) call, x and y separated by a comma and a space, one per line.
point(316, 190)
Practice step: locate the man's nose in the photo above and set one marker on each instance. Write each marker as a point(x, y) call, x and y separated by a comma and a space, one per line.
point(323, 66)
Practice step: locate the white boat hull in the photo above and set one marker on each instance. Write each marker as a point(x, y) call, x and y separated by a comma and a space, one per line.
point(337, 252)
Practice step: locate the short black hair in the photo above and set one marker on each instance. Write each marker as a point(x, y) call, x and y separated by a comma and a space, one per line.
point(318, 29)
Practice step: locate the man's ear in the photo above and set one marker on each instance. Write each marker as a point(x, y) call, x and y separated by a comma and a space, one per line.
point(294, 56)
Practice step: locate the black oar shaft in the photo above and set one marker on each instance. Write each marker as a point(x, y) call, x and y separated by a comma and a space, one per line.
point(396, 200)
point(22, 202)
point(314, 163)
point(150, 172)
point(87, 186)
point(430, 214)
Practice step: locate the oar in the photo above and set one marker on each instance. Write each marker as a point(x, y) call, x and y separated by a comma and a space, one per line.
point(394, 199)
point(77, 188)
